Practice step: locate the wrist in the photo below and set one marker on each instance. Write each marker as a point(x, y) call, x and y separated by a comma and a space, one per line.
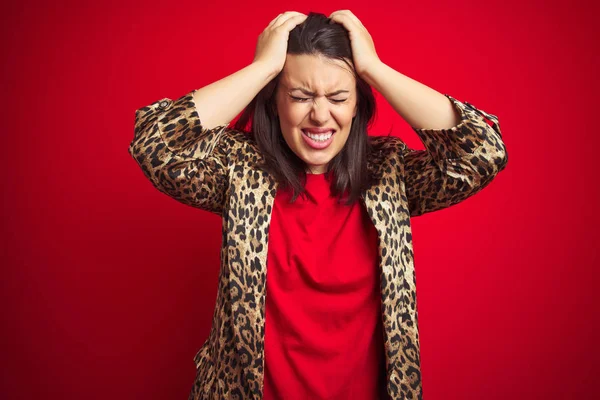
point(370, 74)
point(265, 71)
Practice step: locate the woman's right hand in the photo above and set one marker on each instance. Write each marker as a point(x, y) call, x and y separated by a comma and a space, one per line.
point(271, 49)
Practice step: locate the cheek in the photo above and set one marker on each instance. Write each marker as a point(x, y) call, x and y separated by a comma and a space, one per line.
point(295, 115)
point(344, 117)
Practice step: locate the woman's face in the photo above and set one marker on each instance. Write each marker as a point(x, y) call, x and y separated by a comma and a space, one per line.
point(315, 92)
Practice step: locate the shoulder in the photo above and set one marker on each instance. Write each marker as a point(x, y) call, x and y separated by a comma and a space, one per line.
point(237, 147)
point(238, 140)
point(385, 144)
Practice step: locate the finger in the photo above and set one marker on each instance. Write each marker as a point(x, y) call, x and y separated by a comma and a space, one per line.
point(351, 16)
point(347, 22)
point(291, 23)
point(273, 21)
point(290, 15)
point(277, 19)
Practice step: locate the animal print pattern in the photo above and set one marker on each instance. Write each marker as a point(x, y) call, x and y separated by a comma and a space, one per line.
point(216, 170)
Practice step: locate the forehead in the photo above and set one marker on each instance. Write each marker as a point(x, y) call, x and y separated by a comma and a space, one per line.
point(316, 73)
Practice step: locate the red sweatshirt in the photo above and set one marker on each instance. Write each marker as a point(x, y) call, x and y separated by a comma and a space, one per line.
point(323, 332)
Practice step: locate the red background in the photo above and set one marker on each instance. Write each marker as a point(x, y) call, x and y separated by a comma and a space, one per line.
point(108, 285)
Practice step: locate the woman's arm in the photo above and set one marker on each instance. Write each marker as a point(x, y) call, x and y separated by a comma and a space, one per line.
point(221, 101)
point(184, 147)
point(186, 157)
point(419, 105)
point(463, 152)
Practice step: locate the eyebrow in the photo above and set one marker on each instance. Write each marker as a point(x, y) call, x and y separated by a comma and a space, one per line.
point(306, 91)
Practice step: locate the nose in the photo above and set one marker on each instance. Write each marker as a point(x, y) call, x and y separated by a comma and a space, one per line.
point(320, 111)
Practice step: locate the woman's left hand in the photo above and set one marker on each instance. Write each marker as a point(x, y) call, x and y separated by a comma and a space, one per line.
point(363, 48)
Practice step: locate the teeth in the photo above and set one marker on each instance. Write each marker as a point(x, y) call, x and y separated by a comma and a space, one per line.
point(321, 137)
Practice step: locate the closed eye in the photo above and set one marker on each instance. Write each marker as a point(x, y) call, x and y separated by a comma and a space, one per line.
point(303, 99)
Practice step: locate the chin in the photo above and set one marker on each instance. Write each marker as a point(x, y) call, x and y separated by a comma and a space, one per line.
point(314, 161)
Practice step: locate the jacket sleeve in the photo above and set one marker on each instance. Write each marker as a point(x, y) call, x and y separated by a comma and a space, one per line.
point(457, 162)
point(181, 158)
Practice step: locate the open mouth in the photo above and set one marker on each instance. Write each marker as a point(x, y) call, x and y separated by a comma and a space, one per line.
point(319, 137)
point(318, 141)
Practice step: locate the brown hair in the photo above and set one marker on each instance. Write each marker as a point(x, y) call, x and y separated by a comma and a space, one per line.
point(314, 36)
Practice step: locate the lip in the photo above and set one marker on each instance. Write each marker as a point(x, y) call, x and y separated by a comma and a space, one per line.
point(313, 143)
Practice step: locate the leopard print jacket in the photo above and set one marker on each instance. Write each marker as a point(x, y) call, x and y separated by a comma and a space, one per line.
point(216, 170)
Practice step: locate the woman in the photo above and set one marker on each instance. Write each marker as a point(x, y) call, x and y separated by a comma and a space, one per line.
point(307, 192)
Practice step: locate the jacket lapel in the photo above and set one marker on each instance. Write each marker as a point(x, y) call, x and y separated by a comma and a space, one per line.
point(388, 274)
point(247, 275)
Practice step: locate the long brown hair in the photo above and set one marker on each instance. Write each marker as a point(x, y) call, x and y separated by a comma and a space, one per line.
point(314, 36)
